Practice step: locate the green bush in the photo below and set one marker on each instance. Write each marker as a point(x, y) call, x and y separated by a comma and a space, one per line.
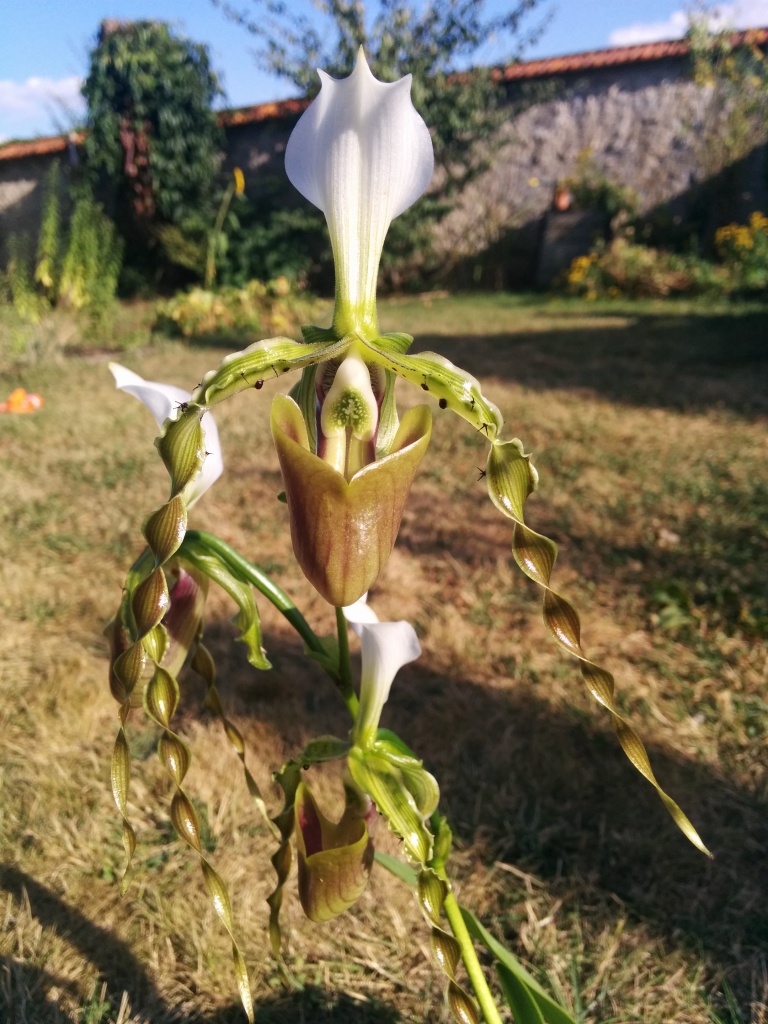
point(592, 189)
point(266, 239)
point(260, 308)
point(77, 270)
point(92, 260)
point(49, 239)
point(624, 268)
point(19, 289)
point(744, 251)
point(153, 137)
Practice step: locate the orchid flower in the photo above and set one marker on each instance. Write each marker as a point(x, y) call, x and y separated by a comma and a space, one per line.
point(362, 154)
point(385, 648)
point(166, 401)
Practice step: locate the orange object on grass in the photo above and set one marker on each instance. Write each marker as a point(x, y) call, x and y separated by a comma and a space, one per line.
point(21, 401)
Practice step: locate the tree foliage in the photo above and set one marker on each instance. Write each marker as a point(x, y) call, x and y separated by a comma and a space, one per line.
point(152, 132)
point(437, 43)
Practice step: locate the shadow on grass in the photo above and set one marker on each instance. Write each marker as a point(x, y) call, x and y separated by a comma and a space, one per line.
point(688, 362)
point(28, 994)
point(26, 988)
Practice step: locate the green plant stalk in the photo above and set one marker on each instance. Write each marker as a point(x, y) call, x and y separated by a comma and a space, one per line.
point(264, 584)
point(210, 260)
point(253, 575)
point(468, 954)
point(345, 666)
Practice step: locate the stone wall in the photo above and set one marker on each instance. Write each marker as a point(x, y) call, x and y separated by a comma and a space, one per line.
point(645, 126)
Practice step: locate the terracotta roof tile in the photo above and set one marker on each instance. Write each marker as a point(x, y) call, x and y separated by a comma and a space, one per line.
point(592, 60)
point(261, 112)
point(227, 118)
point(39, 147)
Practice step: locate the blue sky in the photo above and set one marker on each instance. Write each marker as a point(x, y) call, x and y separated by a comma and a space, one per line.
point(44, 46)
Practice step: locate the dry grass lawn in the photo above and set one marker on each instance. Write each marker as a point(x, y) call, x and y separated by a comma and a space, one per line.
point(648, 426)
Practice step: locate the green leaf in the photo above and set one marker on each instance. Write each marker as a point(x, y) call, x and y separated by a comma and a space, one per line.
point(397, 867)
point(328, 657)
point(524, 1007)
point(526, 998)
point(209, 562)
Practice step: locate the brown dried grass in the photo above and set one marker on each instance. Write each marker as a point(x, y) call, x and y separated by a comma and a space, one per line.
point(648, 426)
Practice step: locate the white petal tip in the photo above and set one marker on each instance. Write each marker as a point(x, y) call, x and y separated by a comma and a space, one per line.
point(123, 376)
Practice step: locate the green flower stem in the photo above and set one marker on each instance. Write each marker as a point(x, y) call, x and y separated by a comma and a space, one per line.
point(345, 666)
point(248, 571)
point(210, 259)
point(468, 954)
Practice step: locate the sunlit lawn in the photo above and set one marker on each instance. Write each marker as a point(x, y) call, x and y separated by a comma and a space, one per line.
point(648, 427)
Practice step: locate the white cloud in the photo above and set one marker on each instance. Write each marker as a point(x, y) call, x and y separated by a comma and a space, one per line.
point(27, 107)
point(737, 14)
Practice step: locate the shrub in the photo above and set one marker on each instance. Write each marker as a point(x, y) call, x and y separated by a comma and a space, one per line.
point(18, 286)
point(92, 260)
point(261, 307)
point(592, 189)
point(83, 280)
point(744, 250)
point(153, 138)
point(637, 271)
point(49, 239)
point(268, 238)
